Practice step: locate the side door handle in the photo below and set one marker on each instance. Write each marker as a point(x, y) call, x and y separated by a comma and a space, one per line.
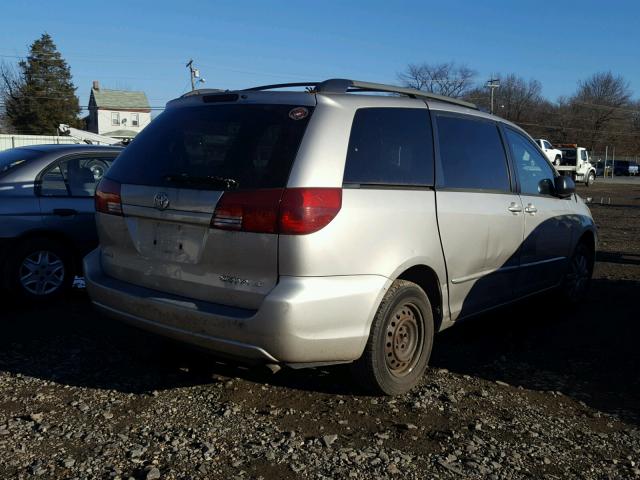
point(514, 208)
point(531, 209)
point(65, 212)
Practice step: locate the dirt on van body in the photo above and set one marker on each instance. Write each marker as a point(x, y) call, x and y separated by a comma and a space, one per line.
point(532, 391)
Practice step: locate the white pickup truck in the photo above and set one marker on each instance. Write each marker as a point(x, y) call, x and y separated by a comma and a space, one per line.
point(553, 154)
point(576, 163)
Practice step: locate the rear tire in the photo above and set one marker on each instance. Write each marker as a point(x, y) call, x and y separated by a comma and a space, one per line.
point(40, 269)
point(400, 342)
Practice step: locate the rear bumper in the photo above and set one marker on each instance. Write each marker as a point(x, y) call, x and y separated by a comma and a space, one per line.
point(302, 320)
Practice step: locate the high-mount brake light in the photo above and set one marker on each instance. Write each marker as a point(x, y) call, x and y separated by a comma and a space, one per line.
point(108, 199)
point(291, 211)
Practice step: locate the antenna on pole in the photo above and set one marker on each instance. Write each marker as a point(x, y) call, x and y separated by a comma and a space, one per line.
point(194, 74)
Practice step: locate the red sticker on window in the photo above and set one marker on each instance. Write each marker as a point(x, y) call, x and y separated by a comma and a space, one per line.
point(298, 113)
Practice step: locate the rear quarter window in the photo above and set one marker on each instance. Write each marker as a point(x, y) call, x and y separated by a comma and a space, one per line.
point(390, 146)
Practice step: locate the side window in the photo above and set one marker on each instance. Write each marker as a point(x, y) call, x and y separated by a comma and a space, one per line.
point(583, 155)
point(472, 156)
point(76, 177)
point(547, 145)
point(390, 146)
point(535, 173)
point(53, 182)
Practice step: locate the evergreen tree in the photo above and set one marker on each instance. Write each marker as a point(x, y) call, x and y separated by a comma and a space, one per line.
point(44, 95)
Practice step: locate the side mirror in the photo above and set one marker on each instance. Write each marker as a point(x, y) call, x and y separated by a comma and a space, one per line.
point(546, 186)
point(564, 186)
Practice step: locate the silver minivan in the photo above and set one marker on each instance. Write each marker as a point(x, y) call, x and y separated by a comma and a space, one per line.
point(347, 222)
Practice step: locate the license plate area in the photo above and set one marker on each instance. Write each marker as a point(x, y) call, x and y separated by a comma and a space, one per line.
point(175, 242)
point(168, 238)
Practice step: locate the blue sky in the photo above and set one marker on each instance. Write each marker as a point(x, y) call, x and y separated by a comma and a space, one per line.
point(143, 45)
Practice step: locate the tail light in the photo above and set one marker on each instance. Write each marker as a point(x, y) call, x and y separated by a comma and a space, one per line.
point(291, 211)
point(251, 211)
point(307, 210)
point(108, 199)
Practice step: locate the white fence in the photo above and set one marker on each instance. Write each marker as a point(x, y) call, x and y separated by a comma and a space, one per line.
point(11, 141)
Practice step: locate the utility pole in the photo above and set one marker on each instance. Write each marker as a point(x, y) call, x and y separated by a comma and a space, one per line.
point(613, 157)
point(492, 84)
point(194, 74)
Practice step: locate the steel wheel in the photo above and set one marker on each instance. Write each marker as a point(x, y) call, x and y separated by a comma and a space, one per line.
point(42, 273)
point(400, 341)
point(404, 339)
point(590, 179)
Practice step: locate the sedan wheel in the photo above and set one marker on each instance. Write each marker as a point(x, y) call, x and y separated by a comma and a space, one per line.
point(39, 269)
point(42, 273)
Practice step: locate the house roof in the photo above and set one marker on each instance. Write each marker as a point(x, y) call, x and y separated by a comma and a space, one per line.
point(120, 99)
point(120, 134)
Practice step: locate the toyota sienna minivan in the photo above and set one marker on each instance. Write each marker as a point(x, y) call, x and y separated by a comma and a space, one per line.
point(346, 223)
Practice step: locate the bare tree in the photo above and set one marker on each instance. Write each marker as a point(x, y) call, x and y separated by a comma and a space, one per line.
point(10, 84)
point(601, 101)
point(447, 79)
point(517, 99)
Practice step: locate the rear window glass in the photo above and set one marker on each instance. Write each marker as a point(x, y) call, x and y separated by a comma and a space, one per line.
point(215, 147)
point(14, 158)
point(472, 155)
point(390, 146)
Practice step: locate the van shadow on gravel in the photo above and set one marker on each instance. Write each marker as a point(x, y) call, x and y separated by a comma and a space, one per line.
point(71, 344)
point(588, 353)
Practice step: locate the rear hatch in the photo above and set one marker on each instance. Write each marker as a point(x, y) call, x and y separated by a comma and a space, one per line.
point(169, 182)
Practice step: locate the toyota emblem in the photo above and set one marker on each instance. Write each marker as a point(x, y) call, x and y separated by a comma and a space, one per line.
point(161, 201)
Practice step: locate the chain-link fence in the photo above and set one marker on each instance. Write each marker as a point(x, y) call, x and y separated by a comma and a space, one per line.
point(8, 141)
point(608, 164)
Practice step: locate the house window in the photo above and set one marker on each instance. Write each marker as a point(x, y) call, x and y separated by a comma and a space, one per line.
point(115, 118)
point(134, 120)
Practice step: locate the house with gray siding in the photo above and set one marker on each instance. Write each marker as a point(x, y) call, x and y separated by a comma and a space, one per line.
point(117, 113)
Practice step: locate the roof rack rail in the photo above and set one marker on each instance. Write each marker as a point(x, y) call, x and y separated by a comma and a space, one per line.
point(342, 85)
point(282, 85)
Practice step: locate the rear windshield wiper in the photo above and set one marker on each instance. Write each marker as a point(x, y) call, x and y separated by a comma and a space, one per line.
point(203, 181)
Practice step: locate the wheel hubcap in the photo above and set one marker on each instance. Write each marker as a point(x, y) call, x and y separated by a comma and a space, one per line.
point(41, 273)
point(98, 171)
point(403, 340)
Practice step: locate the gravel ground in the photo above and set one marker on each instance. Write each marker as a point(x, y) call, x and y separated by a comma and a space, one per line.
point(531, 391)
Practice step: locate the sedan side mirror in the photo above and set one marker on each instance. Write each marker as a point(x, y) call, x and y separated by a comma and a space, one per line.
point(564, 186)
